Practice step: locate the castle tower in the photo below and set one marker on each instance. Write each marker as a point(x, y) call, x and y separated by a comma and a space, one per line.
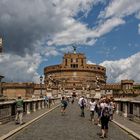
point(75, 75)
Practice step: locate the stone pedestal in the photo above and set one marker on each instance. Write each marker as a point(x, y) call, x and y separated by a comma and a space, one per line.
point(34, 106)
point(125, 110)
point(39, 105)
point(117, 108)
point(28, 108)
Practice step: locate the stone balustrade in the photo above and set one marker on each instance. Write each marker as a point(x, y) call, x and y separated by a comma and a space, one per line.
point(128, 108)
point(8, 108)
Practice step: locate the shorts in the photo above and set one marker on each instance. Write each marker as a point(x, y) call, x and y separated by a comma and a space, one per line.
point(91, 113)
point(104, 122)
point(63, 107)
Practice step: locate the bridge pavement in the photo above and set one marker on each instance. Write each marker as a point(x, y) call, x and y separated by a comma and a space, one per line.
point(53, 126)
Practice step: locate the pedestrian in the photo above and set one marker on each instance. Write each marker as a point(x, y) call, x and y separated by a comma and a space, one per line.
point(63, 105)
point(72, 101)
point(112, 107)
point(46, 101)
point(19, 110)
point(49, 102)
point(92, 105)
point(105, 116)
point(98, 112)
point(82, 104)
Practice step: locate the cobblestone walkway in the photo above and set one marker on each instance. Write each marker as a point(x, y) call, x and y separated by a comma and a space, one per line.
point(69, 127)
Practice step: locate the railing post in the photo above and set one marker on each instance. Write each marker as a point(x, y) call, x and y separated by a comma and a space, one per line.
point(39, 106)
point(42, 103)
point(138, 110)
point(28, 108)
point(34, 106)
point(125, 109)
point(117, 107)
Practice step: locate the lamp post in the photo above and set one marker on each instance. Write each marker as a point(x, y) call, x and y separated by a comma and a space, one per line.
point(41, 78)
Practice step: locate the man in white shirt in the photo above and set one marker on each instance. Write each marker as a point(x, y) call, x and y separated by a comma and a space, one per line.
point(82, 104)
point(92, 105)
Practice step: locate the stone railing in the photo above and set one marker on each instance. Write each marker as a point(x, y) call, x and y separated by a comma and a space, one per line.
point(128, 108)
point(8, 108)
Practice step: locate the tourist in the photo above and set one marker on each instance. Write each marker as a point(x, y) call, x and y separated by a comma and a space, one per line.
point(82, 104)
point(98, 111)
point(92, 105)
point(19, 110)
point(49, 102)
point(63, 105)
point(105, 115)
point(112, 107)
point(72, 101)
point(46, 101)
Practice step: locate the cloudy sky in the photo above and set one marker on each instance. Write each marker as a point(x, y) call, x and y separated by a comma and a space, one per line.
point(36, 33)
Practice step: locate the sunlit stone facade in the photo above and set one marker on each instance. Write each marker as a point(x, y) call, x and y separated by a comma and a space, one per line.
point(74, 74)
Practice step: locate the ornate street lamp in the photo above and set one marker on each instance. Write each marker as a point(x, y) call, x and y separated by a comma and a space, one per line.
point(41, 78)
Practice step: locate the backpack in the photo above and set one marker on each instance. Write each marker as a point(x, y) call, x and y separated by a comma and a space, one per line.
point(65, 103)
point(96, 108)
point(83, 102)
point(106, 112)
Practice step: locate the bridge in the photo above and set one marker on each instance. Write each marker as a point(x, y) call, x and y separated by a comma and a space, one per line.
point(49, 124)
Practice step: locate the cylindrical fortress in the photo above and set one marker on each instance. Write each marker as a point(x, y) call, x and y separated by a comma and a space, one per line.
point(74, 74)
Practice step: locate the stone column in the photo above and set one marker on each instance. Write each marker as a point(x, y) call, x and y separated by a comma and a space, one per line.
point(125, 109)
point(117, 107)
point(42, 104)
point(134, 109)
point(34, 106)
point(39, 106)
point(28, 108)
point(138, 110)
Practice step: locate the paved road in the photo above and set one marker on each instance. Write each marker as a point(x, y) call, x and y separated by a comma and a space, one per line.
point(69, 127)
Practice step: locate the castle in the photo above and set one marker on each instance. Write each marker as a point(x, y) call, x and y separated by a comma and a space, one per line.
point(72, 76)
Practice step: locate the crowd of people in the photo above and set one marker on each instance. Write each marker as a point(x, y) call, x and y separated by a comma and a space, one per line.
point(101, 111)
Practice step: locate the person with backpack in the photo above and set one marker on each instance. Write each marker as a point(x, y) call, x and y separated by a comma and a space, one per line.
point(105, 116)
point(82, 104)
point(63, 105)
point(19, 111)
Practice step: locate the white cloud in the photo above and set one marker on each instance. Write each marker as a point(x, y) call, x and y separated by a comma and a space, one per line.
point(128, 68)
point(139, 28)
point(90, 62)
point(108, 25)
point(121, 8)
point(51, 51)
point(55, 22)
point(20, 69)
point(66, 49)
